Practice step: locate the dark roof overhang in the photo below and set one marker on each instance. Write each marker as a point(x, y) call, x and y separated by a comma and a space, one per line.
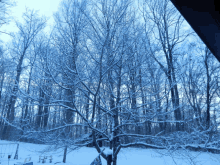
point(204, 17)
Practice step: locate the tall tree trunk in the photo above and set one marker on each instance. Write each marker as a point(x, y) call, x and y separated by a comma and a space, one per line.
point(26, 101)
point(40, 109)
point(1, 87)
point(99, 124)
point(69, 114)
point(207, 90)
point(143, 102)
point(116, 141)
point(150, 107)
point(177, 104)
point(13, 98)
point(175, 100)
point(112, 106)
point(48, 91)
point(133, 100)
point(28, 89)
point(1, 102)
point(87, 111)
point(46, 111)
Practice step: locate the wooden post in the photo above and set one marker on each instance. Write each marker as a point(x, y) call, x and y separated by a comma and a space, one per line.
point(64, 156)
point(16, 154)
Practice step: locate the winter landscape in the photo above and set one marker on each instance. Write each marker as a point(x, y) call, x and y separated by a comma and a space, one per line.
point(131, 156)
point(121, 81)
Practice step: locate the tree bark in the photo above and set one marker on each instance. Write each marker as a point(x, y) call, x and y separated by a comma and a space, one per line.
point(13, 98)
point(40, 109)
point(207, 90)
point(64, 155)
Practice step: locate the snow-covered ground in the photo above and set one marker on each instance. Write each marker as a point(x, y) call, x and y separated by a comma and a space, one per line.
point(129, 156)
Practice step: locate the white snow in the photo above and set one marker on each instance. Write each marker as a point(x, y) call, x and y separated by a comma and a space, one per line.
point(108, 151)
point(128, 156)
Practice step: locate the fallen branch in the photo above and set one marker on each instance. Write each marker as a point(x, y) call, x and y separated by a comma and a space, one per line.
point(142, 144)
point(204, 149)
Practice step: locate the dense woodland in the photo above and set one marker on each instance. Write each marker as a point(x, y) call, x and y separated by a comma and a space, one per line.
point(116, 73)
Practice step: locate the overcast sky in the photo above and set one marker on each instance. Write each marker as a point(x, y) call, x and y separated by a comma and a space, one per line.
point(45, 7)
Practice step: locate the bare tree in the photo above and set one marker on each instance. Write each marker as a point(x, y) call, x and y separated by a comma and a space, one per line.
point(5, 6)
point(168, 23)
point(22, 41)
point(103, 74)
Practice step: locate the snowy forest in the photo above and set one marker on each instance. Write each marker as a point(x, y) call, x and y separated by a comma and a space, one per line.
point(114, 73)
